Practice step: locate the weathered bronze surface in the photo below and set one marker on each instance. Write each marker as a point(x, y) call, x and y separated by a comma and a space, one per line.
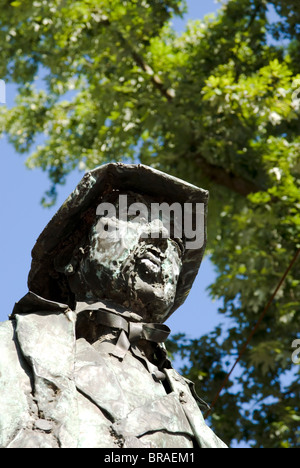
point(82, 359)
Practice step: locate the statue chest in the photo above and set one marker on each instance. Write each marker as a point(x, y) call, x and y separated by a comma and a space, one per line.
point(121, 404)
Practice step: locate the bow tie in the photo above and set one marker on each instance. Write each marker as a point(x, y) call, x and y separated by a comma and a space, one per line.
point(131, 328)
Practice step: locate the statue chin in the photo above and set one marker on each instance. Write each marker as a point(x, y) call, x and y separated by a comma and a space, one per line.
point(149, 301)
point(150, 292)
point(141, 289)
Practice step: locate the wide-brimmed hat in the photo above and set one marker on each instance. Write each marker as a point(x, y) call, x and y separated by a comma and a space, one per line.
point(76, 215)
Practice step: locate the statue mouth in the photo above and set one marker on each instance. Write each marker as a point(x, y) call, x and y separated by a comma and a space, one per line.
point(149, 263)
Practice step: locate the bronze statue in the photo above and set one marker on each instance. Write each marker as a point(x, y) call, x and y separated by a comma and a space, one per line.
point(82, 359)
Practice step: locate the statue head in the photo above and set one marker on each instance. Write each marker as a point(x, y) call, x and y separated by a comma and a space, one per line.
point(120, 237)
point(131, 259)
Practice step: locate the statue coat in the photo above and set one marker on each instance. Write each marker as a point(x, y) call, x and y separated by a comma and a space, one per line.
point(57, 391)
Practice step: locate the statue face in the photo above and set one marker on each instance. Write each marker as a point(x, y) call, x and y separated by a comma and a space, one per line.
point(130, 263)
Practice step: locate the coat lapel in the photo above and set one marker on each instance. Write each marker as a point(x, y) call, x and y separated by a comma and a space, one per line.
point(98, 382)
point(47, 341)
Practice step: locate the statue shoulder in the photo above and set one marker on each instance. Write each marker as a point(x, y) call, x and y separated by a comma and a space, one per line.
point(14, 383)
point(13, 366)
point(7, 339)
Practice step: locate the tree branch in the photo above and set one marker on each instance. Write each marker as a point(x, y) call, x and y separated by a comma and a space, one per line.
point(215, 173)
point(253, 16)
point(157, 82)
point(227, 179)
point(169, 94)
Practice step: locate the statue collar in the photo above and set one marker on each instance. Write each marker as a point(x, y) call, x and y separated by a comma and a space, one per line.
point(131, 330)
point(32, 303)
point(131, 326)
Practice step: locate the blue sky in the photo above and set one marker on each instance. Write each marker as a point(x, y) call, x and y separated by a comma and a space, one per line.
point(23, 219)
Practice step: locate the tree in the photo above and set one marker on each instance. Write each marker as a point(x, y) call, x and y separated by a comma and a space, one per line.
point(217, 105)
